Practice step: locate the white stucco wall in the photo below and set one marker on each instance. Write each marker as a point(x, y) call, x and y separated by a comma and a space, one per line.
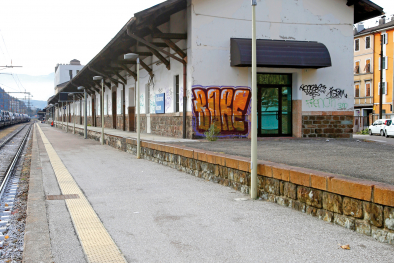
point(62, 73)
point(213, 23)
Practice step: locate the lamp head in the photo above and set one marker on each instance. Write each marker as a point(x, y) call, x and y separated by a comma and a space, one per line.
point(97, 78)
point(254, 2)
point(130, 56)
point(81, 88)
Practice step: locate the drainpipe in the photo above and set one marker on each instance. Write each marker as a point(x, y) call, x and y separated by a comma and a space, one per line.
point(124, 88)
point(184, 100)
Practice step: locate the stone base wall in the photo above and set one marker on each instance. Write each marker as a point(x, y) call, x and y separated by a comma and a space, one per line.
point(362, 206)
point(171, 126)
point(330, 126)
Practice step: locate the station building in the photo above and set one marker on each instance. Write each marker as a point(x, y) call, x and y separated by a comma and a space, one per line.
point(197, 54)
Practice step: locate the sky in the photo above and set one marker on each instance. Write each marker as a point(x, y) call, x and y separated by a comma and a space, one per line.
point(38, 34)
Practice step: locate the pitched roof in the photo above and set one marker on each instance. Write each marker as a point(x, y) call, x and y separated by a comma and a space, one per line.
point(376, 28)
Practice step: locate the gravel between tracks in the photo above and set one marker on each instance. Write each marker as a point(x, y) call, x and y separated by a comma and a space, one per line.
point(349, 157)
point(12, 250)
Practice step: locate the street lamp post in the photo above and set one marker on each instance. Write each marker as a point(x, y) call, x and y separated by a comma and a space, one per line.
point(253, 141)
point(85, 119)
point(132, 56)
point(101, 106)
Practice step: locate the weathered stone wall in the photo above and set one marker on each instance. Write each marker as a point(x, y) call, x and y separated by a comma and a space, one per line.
point(330, 126)
point(170, 125)
point(362, 206)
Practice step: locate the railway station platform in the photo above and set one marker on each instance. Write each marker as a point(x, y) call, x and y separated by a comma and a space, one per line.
point(104, 205)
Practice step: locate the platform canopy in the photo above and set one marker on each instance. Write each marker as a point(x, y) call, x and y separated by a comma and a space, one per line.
point(280, 54)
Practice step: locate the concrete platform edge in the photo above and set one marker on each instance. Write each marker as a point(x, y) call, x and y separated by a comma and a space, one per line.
point(37, 244)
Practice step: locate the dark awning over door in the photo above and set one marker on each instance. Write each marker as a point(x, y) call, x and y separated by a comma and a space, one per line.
point(280, 54)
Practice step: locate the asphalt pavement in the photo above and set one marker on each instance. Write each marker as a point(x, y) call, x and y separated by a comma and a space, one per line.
point(158, 214)
point(360, 157)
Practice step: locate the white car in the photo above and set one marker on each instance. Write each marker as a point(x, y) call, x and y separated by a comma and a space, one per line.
point(378, 127)
point(389, 129)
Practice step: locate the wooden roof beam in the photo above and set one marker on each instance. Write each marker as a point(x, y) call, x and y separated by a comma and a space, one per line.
point(169, 35)
point(161, 58)
point(147, 68)
point(131, 73)
point(171, 44)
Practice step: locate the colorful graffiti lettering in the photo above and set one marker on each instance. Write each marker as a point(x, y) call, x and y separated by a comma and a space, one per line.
point(225, 107)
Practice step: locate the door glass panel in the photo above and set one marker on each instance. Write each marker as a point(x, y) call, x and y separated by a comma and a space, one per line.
point(269, 111)
point(286, 110)
point(275, 79)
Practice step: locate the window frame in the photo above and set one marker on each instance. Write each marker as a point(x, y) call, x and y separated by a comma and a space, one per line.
point(367, 42)
point(356, 89)
point(176, 93)
point(355, 45)
point(366, 83)
point(359, 66)
point(370, 67)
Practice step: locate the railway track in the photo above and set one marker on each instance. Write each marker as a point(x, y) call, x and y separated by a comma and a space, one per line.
point(11, 150)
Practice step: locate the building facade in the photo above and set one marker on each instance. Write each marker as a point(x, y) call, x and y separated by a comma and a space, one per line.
point(368, 106)
point(199, 53)
point(364, 50)
point(65, 72)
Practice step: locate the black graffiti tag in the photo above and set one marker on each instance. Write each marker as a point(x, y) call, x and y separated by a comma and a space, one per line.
point(313, 90)
point(336, 93)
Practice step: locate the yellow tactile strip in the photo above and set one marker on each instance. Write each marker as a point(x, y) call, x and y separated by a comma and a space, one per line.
point(95, 240)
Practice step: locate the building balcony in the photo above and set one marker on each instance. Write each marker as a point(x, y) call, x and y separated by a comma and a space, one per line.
point(363, 101)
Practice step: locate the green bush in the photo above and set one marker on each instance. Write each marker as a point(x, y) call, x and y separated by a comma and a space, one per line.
point(212, 133)
point(363, 132)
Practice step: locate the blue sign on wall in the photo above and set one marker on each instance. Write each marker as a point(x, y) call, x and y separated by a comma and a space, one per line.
point(160, 103)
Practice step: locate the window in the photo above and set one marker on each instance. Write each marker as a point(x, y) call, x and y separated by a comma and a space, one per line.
point(384, 63)
point(367, 42)
point(384, 88)
point(71, 73)
point(357, 67)
point(357, 45)
point(385, 40)
point(177, 93)
point(367, 68)
point(368, 89)
point(77, 71)
point(357, 90)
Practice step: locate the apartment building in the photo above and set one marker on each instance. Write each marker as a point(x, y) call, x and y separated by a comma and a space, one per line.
point(367, 49)
point(364, 50)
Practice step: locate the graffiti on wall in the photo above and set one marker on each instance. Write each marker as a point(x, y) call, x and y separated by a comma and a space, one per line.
point(225, 107)
point(168, 100)
point(330, 97)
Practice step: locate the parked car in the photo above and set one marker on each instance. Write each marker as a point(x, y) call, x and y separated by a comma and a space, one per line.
point(378, 126)
point(389, 129)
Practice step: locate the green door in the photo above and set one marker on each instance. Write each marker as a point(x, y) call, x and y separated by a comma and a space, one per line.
point(274, 100)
